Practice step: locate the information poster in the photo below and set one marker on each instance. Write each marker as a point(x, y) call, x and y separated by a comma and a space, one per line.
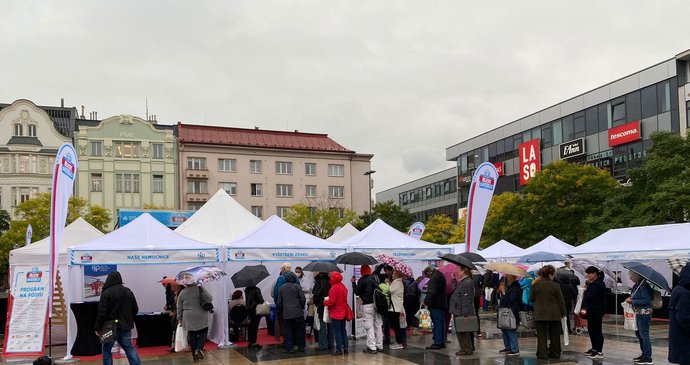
point(28, 311)
point(94, 279)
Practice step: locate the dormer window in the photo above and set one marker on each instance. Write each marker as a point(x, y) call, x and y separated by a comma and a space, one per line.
point(18, 130)
point(32, 130)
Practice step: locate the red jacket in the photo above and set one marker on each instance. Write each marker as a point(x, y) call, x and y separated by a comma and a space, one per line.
point(337, 297)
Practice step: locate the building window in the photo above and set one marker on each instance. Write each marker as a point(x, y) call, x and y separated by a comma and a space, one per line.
point(194, 206)
point(284, 190)
point(618, 114)
point(337, 192)
point(256, 189)
point(258, 211)
point(229, 187)
point(126, 183)
point(197, 187)
point(284, 168)
point(663, 91)
point(18, 130)
point(196, 163)
point(281, 211)
point(32, 130)
point(127, 149)
point(157, 151)
point(158, 183)
point(96, 182)
point(336, 170)
point(310, 169)
point(341, 211)
point(311, 191)
point(255, 166)
point(227, 165)
point(97, 148)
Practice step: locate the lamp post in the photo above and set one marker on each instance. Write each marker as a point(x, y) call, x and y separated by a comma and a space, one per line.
point(369, 173)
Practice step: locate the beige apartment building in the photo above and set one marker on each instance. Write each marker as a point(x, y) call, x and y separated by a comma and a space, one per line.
point(268, 171)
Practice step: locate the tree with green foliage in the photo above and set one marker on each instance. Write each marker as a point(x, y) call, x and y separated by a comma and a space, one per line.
point(458, 233)
point(4, 221)
point(389, 212)
point(438, 229)
point(503, 220)
point(320, 222)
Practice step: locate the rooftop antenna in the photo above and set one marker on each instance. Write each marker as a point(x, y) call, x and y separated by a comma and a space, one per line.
point(147, 108)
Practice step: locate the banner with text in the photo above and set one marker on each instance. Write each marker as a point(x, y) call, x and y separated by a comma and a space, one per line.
point(84, 257)
point(283, 254)
point(416, 230)
point(481, 191)
point(407, 254)
point(530, 160)
point(27, 312)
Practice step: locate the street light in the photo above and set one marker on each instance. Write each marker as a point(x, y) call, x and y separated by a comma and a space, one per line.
point(369, 173)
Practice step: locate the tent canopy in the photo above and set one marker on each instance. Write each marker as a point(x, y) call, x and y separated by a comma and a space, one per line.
point(501, 250)
point(344, 233)
point(638, 243)
point(220, 220)
point(548, 244)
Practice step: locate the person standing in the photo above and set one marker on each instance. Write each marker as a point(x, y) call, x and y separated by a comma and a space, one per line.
point(322, 286)
point(397, 293)
point(435, 300)
point(510, 295)
point(279, 328)
point(462, 305)
point(117, 303)
point(194, 318)
point(487, 283)
point(641, 300)
point(253, 297)
point(411, 302)
point(364, 289)
point(549, 308)
point(679, 316)
point(336, 301)
point(565, 279)
point(594, 302)
point(291, 302)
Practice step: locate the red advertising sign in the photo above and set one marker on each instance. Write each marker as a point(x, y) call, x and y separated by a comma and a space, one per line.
point(499, 168)
point(624, 133)
point(529, 153)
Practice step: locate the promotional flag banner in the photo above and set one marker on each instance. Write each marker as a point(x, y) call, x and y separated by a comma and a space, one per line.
point(65, 171)
point(29, 233)
point(416, 230)
point(481, 191)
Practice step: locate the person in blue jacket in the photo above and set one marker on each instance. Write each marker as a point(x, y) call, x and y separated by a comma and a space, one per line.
point(641, 300)
point(679, 316)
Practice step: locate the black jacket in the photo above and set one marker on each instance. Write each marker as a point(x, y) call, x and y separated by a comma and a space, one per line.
point(253, 298)
point(365, 288)
point(679, 315)
point(322, 286)
point(436, 291)
point(513, 299)
point(291, 298)
point(117, 302)
point(594, 299)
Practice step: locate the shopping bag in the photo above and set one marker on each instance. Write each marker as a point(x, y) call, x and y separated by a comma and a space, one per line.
point(527, 319)
point(564, 325)
point(578, 303)
point(487, 293)
point(180, 339)
point(317, 324)
point(326, 315)
point(506, 319)
point(403, 320)
point(630, 322)
point(108, 332)
point(424, 317)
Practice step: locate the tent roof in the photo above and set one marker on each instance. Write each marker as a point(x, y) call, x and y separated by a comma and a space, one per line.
point(381, 235)
point(143, 233)
point(638, 243)
point(221, 220)
point(76, 233)
point(548, 244)
point(276, 233)
point(501, 249)
point(344, 233)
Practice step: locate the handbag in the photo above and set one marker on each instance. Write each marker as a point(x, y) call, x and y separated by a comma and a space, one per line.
point(506, 319)
point(527, 319)
point(108, 332)
point(466, 324)
point(349, 315)
point(403, 320)
point(326, 315)
point(206, 305)
point(180, 339)
point(424, 317)
point(263, 309)
point(630, 318)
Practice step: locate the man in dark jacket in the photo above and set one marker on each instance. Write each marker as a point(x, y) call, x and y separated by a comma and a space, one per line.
point(364, 289)
point(118, 304)
point(322, 286)
point(291, 302)
point(565, 279)
point(436, 301)
point(679, 316)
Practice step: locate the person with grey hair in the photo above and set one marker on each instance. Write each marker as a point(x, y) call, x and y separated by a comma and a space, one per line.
point(462, 305)
point(641, 300)
point(279, 327)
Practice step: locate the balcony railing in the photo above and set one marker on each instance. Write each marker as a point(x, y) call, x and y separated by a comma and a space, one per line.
point(197, 197)
point(196, 174)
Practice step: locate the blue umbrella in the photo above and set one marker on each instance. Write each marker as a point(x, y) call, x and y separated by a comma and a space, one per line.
point(541, 256)
point(648, 273)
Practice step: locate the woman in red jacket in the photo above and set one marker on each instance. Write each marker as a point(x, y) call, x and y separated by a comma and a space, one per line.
point(338, 310)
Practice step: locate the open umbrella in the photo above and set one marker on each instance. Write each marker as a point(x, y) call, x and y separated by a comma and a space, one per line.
point(322, 267)
point(676, 265)
point(648, 273)
point(541, 256)
point(473, 257)
point(458, 260)
point(506, 268)
point(539, 265)
point(199, 274)
point(167, 280)
point(580, 265)
point(355, 258)
point(249, 276)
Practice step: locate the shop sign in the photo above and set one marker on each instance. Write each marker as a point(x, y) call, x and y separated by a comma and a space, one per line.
point(571, 149)
point(499, 167)
point(465, 179)
point(529, 160)
point(625, 133)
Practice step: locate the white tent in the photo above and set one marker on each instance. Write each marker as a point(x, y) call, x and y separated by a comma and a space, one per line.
point(501, 250)
point(344, 233)
point(144, 251)
point(220, 220)
point(548, 244)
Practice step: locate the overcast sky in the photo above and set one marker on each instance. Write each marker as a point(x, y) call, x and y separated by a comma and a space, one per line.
point(401, 80)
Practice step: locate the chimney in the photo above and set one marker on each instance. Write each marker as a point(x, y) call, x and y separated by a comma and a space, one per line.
point(256, 128)
point(95, 115)
point(62, 102)
point(82, 112)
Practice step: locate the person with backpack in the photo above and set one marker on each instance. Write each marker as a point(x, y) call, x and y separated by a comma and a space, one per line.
point(117, 303)
point(365, 289)
point(436, 301)
point(385, 277)
point(641, 300)
point(411, 301)
point(397, 294)
point(594, 304)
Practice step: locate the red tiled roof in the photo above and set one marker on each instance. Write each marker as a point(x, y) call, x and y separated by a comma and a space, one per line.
point(189, 133)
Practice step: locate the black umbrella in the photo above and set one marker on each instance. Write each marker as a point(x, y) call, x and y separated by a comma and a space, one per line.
point(322, 267)
point(648, 273)
point(458, 260)
point(473, 256)
point(355, 258)
point(249, 276)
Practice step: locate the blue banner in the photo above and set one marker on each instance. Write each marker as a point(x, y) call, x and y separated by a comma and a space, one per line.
point(170, 218)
